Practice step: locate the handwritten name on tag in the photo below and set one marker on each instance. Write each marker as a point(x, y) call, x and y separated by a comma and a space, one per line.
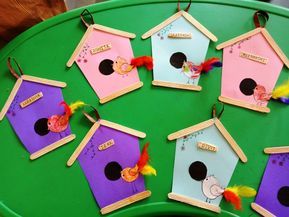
point(100, 48)
point(207, 146)
point(253, 57)
point(182, 35)
point(31, 100)
point(106, 145)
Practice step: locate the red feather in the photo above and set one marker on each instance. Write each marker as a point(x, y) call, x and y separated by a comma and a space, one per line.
point(233, 198)
point(209, 64)
point(66, 109)
point(146, 61)
point(144, 158)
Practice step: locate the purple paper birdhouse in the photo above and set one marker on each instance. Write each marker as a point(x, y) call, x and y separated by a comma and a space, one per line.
point(106, 151)
point(273, 194)
point(32, 101)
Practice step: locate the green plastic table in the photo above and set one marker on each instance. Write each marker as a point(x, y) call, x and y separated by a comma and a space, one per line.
point(47, 188)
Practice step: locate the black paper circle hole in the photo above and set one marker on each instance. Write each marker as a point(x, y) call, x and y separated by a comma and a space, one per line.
point(198, 171)
point(247, 86)
point(105, 67)
point(283, 196)
point(40, 127)
point(112, 171)
point(177, 59)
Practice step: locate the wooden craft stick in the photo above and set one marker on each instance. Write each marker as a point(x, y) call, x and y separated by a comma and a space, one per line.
point(52, 147)
point(199, 26)
point(31, 99)
point(176, 85)
point(275, 46)
point(161, 25)
point(114, 31)
point(277, 150)
point(125, 202)
point(244, 104)
point(190, 201)
point(82, 144)
point(262, 211)
point(79, 46)
point(43, 81)
point(231, 141)
point(121, 92)
point(238, 38)
point(122, 128)
point(10, 98)
point(206, 146)
point(180, 35)
point(190, 130)
point(254, 57)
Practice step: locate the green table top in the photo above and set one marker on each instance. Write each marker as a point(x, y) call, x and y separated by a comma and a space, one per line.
point(47, 188)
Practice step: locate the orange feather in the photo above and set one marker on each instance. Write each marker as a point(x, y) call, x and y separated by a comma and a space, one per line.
point(233, 198)
point(144, 158)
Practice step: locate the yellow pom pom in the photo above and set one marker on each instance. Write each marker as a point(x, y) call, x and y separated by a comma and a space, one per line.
point(148, 170)
point(281, 91)
point(74, 106)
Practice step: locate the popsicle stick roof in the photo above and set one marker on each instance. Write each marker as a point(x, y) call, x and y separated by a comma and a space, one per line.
point(177, 15)
point(220, 127)
point(266, 35)
point(18, 84)
point(277, 150)
point(100, 28)
point(94, 128)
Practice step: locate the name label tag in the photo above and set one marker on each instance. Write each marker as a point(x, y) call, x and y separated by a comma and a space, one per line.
point(31, 100)
point(101, 48)
point(181, 35)
point(106, 145)
point(253, 57)
point(207, 146)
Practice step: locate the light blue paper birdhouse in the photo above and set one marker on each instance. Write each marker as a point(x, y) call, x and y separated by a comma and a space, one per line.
point(205, 159)
point(179, 46)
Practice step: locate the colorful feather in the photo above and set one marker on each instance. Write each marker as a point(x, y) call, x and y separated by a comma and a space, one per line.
point(148, 170)
point(281, 91)
point(144, 157)
point(284, 100)
point(67, 109)
point(234, 194)
point(210, 64)
point(146, 61)
point(233, 198)
point(74, 106)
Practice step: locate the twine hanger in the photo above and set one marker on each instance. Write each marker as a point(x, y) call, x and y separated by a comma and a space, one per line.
point(87, 18)
point(187, 8)
point(260, 18)
point(11, 69)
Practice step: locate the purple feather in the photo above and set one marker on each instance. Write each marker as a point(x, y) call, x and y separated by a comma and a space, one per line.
point(284, 100)
point(217, 64)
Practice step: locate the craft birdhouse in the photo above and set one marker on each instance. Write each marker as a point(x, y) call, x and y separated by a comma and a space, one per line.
point(205, 159)
point(179, 47)
point(273, 195)
point(103, 55)
point(30, 104)
point(252, 63)
point(107, 152)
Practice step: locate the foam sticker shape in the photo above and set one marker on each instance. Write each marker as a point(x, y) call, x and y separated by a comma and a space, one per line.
point(105, 168)
point(179, 47)
point(30, 123)
point(252, 63)
point(201, 176)
point(103, 55)
point(273, 194)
